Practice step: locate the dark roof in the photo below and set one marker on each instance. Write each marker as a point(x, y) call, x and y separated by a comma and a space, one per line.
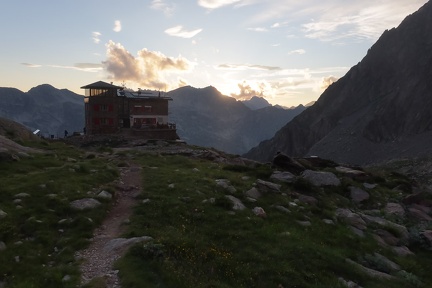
point(100, 85)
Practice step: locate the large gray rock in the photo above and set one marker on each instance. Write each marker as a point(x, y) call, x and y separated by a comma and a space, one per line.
point(401, 230)
point(253, 193)
point(350, 218)
point(85, 203)
point(283, 176)
point(358, 195)
point(394, 209)
point(266, 186)
point(321, 178)
point(237, 203)
point(225, 183)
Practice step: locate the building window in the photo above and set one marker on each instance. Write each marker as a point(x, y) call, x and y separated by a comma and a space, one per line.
point(104, 107)
point(147, 108)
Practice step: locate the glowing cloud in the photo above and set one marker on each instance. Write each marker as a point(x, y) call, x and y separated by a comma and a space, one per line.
point(117, 26)
point(327, 81)
point(178, 31)
point(146, 69)
point(247, 67)
point(246, 91)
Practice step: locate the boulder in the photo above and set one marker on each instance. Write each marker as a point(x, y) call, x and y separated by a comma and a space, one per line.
point(321, 178)
point(287, 163)
point(226, 184)
point(307, 199)
point(427, 236)
point(85, 203)
point(350, 218)
point(253, 193)
point(2, 214)
point(402, 251)
point(237, 203)
point(358, 195)
point(419, 215)
point(265, 186)
point(283, 176)
point(394, 209)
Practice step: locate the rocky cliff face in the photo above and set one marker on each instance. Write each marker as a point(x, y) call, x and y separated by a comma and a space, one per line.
point(379, 110)
point(207, 118)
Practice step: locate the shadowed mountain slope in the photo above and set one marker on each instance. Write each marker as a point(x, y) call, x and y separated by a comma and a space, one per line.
point(379, 110)
point(207, 118)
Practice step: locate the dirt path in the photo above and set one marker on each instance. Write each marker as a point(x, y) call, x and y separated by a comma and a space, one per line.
point(99, 257)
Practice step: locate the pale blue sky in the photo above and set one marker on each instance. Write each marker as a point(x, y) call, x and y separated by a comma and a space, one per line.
point(283, 50)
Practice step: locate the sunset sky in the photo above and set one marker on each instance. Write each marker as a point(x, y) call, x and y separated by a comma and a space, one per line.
point(284, 50)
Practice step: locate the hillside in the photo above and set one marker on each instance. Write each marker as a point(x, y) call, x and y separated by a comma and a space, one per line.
point(202, 217)
point(380, 110)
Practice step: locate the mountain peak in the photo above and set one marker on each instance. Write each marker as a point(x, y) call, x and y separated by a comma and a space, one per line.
point(256, 103)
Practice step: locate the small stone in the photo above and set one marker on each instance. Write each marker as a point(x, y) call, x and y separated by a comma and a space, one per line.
point(328, 221)
point(369, 185)
point(304, 223)
point(66, 278)
point(171, 186)
point(2, 214)
point(22, 195)
point(2, 246)
point(105, 195)
point(258, 211)
point(145, 201)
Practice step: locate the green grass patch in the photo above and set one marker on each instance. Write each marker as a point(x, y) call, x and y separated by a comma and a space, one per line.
point(41, 231)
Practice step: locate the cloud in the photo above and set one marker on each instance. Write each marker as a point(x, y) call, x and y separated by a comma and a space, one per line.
point(31, 65)
point(298, 51)
point(117, 26)
point(178, 31)
point(247, 67)
point(327, 81)
point(247, 91)
point(214, 4)
point(258, 29)
point(332, 20)
point(146, 69)
point(96, 37)
point(161, 5)
point(88, 67)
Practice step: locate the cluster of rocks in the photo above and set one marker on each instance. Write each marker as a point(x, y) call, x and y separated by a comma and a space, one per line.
point(395, 225)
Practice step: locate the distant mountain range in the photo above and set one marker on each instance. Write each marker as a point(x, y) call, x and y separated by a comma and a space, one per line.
point(207, 118)
point(380, 110)
point(204, 116)
point(45, 108)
